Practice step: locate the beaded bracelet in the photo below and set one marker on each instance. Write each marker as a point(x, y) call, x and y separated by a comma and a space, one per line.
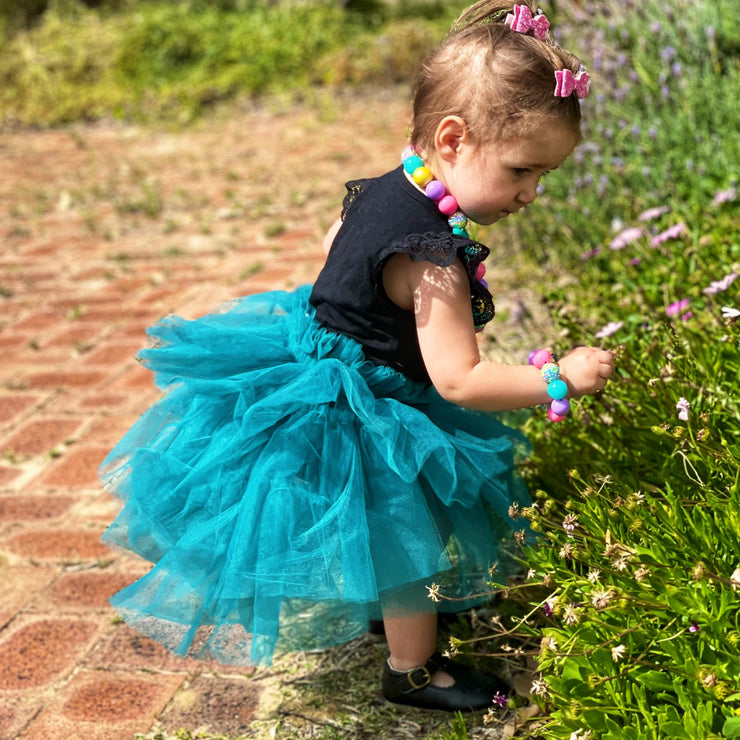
point(557, 389)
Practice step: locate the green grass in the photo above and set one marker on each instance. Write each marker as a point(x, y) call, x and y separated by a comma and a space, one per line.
point(171, 61)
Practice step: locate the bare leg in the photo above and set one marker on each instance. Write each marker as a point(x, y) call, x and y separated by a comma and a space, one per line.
point(411, 640)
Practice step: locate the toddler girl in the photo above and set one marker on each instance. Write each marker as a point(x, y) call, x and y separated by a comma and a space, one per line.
point(323, 456)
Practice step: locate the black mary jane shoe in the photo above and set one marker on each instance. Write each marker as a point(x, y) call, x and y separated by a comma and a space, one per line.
point(472, 691)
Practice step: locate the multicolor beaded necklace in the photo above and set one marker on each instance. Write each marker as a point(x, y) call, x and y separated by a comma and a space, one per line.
point(414, 165)
point(435, 190)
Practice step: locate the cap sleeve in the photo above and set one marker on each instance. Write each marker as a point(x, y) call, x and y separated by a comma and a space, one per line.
point(354, 188)
point(443, 249)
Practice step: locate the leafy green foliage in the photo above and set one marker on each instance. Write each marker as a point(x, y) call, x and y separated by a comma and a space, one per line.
point(632, 592)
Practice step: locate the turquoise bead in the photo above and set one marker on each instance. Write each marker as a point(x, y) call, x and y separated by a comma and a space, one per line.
point(461, 232)
point(557, 389)
point(411, 164)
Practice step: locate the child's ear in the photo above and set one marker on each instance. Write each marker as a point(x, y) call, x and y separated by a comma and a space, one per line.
point(450, 133)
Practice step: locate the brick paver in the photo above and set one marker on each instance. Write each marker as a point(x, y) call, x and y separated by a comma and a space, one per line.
point(104, 229)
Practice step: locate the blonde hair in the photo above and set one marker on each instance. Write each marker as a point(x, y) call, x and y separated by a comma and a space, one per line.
point(500, 82)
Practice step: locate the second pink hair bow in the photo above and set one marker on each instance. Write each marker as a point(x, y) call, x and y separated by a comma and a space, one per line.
point(567, 83)
point(522, 21)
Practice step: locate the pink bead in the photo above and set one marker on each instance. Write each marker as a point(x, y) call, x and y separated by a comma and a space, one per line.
point(409, 151)
point(480, 272)
point(541, 357)
point(448, 205)
point(552, 416)
point(435, 190)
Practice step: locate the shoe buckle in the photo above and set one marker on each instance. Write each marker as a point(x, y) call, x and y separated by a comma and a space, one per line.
point(425, 679)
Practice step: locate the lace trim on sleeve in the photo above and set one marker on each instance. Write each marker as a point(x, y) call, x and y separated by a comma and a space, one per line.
point(442, 249)
point(354, 188)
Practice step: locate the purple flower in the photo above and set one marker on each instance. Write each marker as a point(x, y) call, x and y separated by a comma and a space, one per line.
point(547, 608)
point(625, 237)
point(671, 233)
point(724, 196)
point(677, 308)
point(652, 213)
point(500, 700)
point(683, 409)
point(718, 286)
point(611, 328)
point(588, 254)
point(694, 627)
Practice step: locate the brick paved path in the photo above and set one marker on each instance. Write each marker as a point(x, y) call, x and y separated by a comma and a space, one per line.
point(103, 230)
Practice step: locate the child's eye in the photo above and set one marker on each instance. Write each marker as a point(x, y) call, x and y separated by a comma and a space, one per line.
point(519, 171)
point(545, 174)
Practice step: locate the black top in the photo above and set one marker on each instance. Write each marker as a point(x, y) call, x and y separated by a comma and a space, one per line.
point(380, 217)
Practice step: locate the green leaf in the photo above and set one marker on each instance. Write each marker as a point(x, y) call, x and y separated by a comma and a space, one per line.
point(731, 728)
point(675, 731)
point(655, 681)
point(595, 718)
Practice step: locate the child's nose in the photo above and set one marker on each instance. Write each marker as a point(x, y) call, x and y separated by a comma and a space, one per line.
point(528, 193)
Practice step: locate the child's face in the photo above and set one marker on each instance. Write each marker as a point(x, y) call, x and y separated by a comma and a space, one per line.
point(492, 180)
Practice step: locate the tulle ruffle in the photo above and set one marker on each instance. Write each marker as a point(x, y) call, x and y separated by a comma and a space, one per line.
point(286, 489)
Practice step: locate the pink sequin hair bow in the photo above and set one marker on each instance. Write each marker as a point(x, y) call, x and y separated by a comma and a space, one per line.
point(567, 83)
point(522, 21)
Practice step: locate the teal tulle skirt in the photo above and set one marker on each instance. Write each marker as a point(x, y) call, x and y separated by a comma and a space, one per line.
point(288, 491)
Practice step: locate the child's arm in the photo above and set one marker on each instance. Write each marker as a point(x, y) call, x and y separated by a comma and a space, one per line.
point(329, 238)
point(440, 298)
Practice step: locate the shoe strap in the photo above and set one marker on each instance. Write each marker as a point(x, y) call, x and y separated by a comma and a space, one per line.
point(421, 676)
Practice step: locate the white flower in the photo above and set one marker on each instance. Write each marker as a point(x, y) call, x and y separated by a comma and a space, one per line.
point(570, 615)
point(570, 523)
point(735, 579)
point(581, 735)
point(618, 653)
point(540, 687)
point(549, 643)
point(601, 599)
point(730, 313)
point(593, 575)
point(641, 574)
point(622, 560)
point(433, 592)
point(683, 409)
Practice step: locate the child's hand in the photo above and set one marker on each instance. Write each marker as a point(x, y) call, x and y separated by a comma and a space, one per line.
point(586, 370)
